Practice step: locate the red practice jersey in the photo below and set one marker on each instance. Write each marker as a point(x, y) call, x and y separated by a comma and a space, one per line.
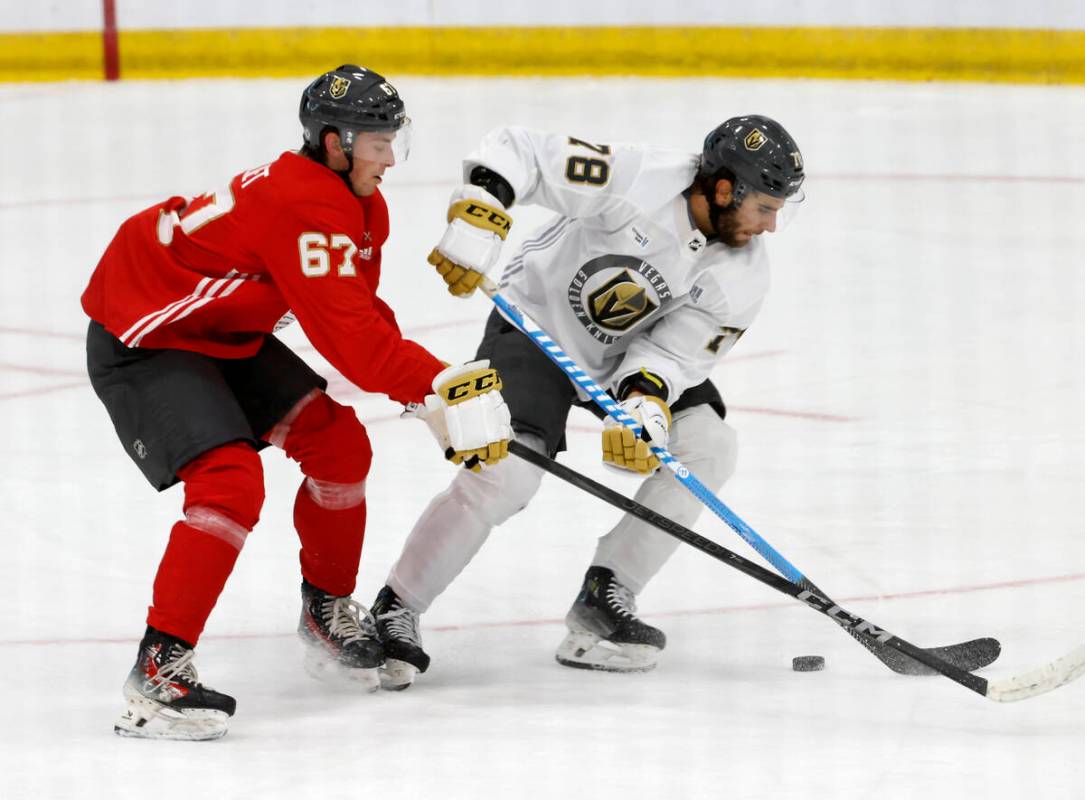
point(215, 273)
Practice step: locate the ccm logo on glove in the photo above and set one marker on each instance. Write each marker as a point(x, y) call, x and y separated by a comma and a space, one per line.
point(477, 225)
point(468, 415)
point(482, 216)
point(476, 383)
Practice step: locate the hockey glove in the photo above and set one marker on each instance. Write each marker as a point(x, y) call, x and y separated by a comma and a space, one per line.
point(623, 449)
point(477, 225)
point(468, 415)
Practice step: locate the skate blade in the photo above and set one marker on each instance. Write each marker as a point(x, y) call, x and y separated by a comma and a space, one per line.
point(589, 651)
point(147, 719)
point(396, 675)
point(327, 669)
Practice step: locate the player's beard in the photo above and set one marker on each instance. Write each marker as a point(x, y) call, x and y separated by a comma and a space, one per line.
point(725, 221)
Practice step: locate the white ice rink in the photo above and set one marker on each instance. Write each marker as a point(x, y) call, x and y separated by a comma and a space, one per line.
point(909, 406)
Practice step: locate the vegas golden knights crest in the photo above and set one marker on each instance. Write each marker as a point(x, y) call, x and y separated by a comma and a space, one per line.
point(755, 140)
point(619, 303)
point(338, 87)
point(612, 294)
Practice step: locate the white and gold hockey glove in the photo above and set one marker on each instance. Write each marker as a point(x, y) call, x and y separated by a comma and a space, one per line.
point(623, 449)
point(468, 415)
point(477, 225)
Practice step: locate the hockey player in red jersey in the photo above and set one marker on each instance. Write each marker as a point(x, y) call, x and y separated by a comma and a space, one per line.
point(180, 350)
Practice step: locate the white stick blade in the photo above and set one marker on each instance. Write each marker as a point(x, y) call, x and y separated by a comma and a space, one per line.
point(1058, 673)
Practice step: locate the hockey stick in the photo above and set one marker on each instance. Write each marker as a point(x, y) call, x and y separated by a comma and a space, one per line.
point(966, 655)
point(1018, 687)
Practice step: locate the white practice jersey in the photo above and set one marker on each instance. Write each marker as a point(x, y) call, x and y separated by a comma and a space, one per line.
point(622, 278)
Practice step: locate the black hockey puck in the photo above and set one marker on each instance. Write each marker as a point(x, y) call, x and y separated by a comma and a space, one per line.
point(808, 663)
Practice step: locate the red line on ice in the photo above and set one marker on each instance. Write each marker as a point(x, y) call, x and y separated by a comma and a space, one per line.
point(57, 387)
point(967, 589)
point(67, 373)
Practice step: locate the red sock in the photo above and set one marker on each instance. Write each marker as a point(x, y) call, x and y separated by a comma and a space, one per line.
point(189, 581)
point(332, 447)
point(331, 542)
point(224, 491)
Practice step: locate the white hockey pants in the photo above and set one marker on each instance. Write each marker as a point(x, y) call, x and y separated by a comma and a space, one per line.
point(635, 550)
point(457, 521)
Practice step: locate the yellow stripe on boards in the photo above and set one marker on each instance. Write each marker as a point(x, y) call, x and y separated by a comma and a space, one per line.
point(51, 56)
point(1021, 56)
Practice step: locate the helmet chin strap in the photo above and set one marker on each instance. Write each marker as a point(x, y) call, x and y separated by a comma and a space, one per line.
point(348, 154)
point(738, 193)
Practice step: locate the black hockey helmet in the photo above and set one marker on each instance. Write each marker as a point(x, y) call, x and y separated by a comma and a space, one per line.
point(350, 99)
point(760, 153)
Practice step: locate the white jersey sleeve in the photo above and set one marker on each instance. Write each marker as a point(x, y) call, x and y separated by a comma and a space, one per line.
point(608, 183)
point(622, 278)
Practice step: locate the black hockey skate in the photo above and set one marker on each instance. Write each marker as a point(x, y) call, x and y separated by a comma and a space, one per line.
point(165, 698)
point(397, 627)
point(604, 631)
point(340, 637)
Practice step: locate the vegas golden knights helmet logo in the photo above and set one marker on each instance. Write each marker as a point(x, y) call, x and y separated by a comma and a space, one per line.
point(754, 140)
point(338, 87)
point(620, 302)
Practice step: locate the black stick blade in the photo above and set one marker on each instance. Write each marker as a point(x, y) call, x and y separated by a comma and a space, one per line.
point(968, 656)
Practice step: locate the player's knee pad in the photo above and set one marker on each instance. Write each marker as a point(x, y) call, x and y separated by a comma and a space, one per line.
point(496, 493)
point(705, 443)
point(327, 441)
point(224, 491)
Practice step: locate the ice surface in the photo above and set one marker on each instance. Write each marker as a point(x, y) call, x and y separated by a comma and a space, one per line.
point(909, 406)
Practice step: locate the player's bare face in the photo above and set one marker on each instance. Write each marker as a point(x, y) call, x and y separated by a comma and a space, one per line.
point(373, 154)
point(757, 214)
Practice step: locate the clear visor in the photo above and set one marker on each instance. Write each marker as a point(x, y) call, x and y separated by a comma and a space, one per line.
point(384, 147)
point(774, 213)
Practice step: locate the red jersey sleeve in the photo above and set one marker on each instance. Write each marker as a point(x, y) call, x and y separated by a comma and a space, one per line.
point(322, 250)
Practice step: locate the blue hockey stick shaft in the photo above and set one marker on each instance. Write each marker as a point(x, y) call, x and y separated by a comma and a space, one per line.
point(965, 656)
point(681, 473)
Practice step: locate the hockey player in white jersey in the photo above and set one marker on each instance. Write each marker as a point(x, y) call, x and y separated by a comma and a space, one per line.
point(651, 270)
